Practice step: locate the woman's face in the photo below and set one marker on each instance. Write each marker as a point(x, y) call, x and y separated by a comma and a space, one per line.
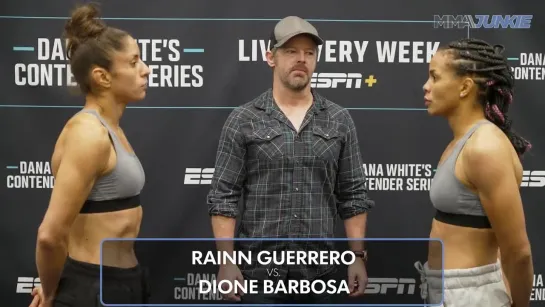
point(129, 73)
point(442, 89)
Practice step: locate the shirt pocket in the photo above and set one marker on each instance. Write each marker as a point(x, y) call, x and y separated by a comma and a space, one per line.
point(326, 143)
point(266, 144)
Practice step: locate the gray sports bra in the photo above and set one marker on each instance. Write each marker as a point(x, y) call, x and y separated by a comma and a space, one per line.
point(454, 202)
point(120, 189)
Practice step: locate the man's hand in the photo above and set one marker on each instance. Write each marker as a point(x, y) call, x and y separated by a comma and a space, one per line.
point(39, 300)
point(357, 278)
point(232, 273)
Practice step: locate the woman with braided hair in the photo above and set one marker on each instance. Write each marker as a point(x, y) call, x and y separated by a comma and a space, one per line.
point(475, 190)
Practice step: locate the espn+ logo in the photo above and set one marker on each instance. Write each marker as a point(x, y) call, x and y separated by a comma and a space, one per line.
point(533, 179)
point(26, 284)
point(340, 80)
point(197, 175)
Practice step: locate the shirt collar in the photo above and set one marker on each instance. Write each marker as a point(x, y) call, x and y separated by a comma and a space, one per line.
point(266, 102)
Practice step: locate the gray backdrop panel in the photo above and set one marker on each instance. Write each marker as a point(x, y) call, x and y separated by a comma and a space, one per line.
point(176, 128)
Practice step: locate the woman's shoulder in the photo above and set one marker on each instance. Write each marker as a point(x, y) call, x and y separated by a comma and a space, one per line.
point(490, 149)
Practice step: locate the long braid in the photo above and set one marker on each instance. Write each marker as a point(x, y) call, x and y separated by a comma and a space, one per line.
point(492, 74)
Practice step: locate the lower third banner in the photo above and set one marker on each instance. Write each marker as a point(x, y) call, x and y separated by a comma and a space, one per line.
point(240, 272)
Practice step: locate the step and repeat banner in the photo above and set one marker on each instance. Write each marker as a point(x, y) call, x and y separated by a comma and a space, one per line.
point(207, 57)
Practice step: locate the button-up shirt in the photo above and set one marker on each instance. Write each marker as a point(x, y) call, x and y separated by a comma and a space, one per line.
point(293, 184)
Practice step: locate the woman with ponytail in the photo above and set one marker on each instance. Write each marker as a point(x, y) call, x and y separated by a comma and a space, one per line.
point(98, 177)
point(475, 191)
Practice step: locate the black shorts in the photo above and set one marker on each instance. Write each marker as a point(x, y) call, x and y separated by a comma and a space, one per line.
point(80, 285)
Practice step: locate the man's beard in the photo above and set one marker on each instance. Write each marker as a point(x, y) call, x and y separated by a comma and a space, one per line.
point(296, 84)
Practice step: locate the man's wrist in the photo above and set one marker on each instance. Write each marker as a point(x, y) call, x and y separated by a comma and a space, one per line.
point(362, 254)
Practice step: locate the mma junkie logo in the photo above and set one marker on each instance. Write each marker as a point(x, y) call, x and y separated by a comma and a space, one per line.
point(482, 21)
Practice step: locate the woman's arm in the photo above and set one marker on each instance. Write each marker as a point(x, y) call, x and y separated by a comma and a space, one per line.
point(85, 154)
point(489, 167)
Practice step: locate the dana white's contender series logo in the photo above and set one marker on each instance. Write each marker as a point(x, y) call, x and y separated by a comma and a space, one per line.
point(187, 287)
point(538, 291)
point(398, 177)
point(162, 55)
point(29, 175)
point(531, 66)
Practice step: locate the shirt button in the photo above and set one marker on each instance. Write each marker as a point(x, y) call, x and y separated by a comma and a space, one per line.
point(268, 136)
point(296, 189)
point(295, 215)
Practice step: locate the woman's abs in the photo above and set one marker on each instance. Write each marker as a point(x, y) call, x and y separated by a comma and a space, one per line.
point(90, 233)
point(463, 247)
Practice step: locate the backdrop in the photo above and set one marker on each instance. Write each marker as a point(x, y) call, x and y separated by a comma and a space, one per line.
point(207, 57)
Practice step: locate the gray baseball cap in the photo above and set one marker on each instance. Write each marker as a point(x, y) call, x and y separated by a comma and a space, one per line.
point(292, 26)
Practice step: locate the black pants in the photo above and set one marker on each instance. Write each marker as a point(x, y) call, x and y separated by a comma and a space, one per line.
point(80, 285)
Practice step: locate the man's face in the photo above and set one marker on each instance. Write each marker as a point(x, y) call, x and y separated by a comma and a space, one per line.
point(295, 62)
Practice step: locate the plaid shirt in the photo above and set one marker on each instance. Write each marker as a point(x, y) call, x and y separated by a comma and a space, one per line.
point(293, 185)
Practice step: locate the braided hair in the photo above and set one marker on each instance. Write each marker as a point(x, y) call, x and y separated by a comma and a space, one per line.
point(494, 77)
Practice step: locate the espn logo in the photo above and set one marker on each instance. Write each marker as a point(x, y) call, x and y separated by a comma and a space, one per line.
point(198, 175)
point(388, 285)
point(533, 179)
point(333, 80)
point(26, 284)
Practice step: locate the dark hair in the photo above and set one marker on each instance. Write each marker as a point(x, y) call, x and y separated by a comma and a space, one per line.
point(90, 43)
point(494, 77)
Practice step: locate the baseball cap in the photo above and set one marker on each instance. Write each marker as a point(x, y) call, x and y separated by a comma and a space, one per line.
point(291, 26)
